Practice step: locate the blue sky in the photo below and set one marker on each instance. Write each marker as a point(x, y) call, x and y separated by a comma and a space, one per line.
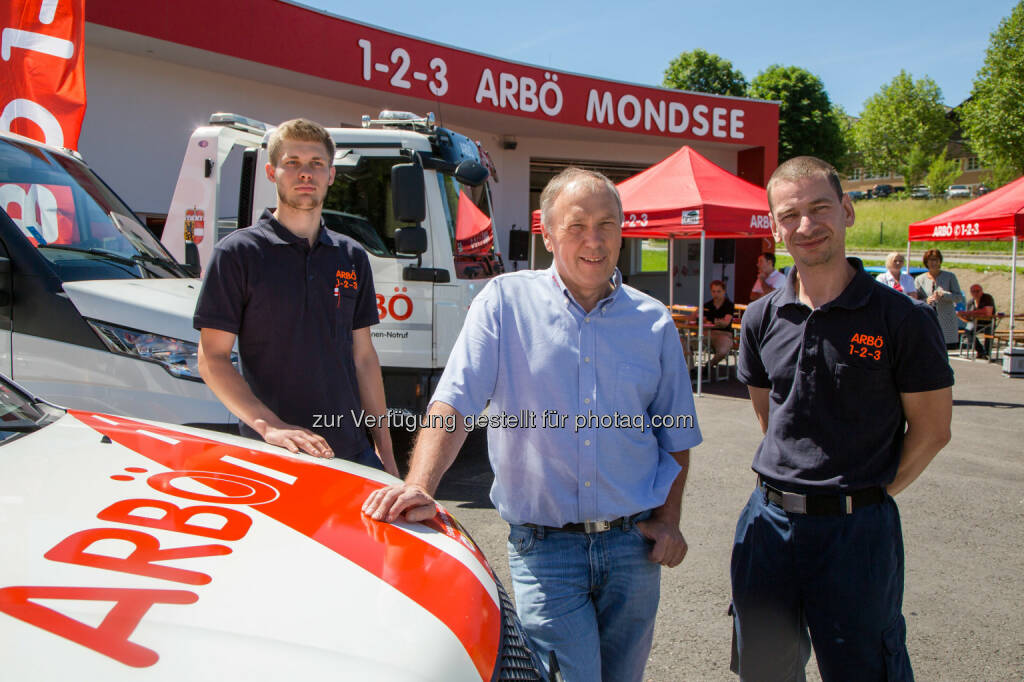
point(855, 48)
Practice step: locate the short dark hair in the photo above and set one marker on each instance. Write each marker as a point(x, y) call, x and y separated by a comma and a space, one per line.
point(303, 130)
point(716, 283)
point(929, 254)
point(804, 167)
point(769, 256)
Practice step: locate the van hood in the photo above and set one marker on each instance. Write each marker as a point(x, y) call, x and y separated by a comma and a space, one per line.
point(160, 306)
point(136, 550)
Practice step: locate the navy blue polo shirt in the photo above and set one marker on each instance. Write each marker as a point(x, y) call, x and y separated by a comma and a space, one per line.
point(835, 421)
point(294, 308)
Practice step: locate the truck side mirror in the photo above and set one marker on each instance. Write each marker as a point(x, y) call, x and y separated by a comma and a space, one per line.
point(408, 195)
point(471, 173)
point(411, 240)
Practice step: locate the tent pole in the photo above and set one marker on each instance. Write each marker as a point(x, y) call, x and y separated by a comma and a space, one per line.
point(906, 261)
point(700, 320)
point(1013, 287)
point(671, 270)
point(533, 245)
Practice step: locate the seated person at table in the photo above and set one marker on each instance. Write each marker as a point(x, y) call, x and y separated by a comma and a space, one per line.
point(984, 306)
point(718, 314)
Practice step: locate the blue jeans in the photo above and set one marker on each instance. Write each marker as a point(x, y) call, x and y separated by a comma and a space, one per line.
point(834, 581)
point(591, 598)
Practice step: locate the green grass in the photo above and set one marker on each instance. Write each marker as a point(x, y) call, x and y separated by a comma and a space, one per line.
point(654, 255)
point(783, 260)
point(882, 224)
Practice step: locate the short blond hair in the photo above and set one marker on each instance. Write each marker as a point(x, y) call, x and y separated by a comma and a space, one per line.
point(891, 259)
point(300, 129)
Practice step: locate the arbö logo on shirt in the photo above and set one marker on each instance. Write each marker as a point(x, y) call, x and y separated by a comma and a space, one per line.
point(866, 346)
point(344, 280)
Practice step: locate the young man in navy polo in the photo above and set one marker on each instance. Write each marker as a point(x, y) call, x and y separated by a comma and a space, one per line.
point(851, 385)
point(300, 300)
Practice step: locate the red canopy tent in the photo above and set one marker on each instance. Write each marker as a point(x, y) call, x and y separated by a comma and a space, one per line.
point(996, 215)
point(687, 196)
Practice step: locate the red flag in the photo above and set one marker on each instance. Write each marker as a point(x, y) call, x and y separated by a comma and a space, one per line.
point(42, 72)
point(473, 232)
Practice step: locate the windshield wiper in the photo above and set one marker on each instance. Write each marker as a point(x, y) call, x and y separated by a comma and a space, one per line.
point(110, 255)
point(165, 263)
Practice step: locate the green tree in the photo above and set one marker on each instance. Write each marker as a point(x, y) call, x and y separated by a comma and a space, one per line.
point(703, 71)
point(807, 122)
point(942, 173)
point(993, 118)
point(849, 160)
point(905, 113)
point(915, 166)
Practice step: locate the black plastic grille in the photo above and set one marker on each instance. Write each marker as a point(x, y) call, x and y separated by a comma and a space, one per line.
point(517, 662)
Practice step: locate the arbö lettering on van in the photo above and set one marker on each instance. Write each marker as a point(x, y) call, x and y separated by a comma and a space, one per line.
point(130, 605)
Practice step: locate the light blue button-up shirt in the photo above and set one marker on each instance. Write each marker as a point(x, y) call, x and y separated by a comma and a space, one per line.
point(584, 407)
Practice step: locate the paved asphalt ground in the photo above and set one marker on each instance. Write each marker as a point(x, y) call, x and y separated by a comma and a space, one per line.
point(963, 523)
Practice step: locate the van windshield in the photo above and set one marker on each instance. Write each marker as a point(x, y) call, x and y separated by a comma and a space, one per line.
point(75, 221)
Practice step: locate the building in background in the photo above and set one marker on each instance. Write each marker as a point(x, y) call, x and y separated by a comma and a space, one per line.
point(157, 70)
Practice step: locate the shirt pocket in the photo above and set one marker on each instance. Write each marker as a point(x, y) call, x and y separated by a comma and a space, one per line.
point(635, 388)
point(343, 308)
point(860, 389)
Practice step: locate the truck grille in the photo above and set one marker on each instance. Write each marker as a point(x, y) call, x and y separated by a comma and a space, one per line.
point(517, 662)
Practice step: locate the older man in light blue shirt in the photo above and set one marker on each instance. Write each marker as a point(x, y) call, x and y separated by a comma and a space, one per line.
point(591, 419)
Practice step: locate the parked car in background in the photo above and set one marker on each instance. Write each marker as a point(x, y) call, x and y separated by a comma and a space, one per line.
point(137, 550)
point(857, 195)
point(899, 189)
point(958, 192)
point(881, 191)
point(981, 190)
point(921, 192)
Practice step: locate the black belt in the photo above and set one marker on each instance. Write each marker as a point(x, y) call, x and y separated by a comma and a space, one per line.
point(585, 526)
point(822, 505)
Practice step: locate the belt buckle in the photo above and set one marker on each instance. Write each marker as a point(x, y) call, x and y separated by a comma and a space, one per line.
point(596, 526)
point(794, 502)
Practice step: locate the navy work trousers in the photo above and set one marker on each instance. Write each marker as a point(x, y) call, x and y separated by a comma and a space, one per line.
point(834, 581)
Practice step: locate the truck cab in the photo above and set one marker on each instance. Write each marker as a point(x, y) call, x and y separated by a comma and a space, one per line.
point(423, 290)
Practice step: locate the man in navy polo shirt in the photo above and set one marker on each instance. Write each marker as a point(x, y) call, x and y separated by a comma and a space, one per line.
point(300, 300)
point(851, 385)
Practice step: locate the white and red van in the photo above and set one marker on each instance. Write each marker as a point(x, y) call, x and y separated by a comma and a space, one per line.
point(136, 550)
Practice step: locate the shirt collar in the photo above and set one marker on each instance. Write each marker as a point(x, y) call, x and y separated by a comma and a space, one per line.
point(278, 234)
point(616, 282)
point(855, 295)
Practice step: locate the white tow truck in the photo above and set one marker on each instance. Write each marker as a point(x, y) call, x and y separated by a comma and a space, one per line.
point(413, 194)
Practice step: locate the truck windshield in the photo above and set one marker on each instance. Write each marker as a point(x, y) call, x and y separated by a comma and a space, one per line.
point(468, 213)
point(73, 218)
point(358, 205)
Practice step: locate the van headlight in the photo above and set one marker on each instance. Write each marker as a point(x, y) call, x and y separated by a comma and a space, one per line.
point(179, 358)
